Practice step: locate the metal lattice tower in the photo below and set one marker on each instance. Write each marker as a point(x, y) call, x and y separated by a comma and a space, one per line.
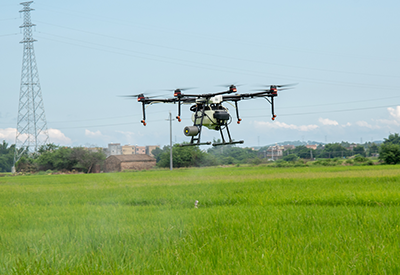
point(31, 124)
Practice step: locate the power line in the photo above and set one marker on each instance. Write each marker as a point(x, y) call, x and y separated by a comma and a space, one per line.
point(10, 34)
point(182, 62)
point(244, 117)
point(237, 40)
point(215, 55)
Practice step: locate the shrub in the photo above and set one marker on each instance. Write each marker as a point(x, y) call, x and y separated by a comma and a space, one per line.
point(360, 158)
point(291, 157)
point(390, 153)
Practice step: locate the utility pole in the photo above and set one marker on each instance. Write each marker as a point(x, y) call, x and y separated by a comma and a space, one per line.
point(31, 122)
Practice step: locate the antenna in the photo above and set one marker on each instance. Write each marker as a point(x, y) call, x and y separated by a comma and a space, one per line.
point(31, 123)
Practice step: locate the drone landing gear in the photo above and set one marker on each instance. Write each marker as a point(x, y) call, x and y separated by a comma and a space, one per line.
point(195, 144)
point(195, 130)
point(223, 139)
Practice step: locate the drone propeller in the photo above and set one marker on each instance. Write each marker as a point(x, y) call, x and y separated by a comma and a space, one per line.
point(178, 91)
point(232, 88)
point(280, 86)
point(230, 84)
point(142, 96)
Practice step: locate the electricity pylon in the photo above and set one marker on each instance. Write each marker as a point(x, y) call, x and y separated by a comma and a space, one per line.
point(31, 123)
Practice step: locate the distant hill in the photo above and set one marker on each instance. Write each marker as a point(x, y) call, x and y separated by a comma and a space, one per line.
point(309, 142)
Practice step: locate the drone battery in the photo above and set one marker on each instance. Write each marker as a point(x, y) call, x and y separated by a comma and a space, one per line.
point(191, 131)
point(221, 115)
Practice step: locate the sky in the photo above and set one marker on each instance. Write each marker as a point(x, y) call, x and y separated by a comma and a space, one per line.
point(343, 55)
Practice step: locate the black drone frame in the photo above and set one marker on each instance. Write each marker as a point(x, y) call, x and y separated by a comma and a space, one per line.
point(203, 104)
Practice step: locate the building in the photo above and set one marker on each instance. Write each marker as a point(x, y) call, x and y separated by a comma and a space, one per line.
point(288, 147)
point(312, 146)
point(94, 149)
point(128, 150)
point(114, 149)
point(140, 150)
point(150, 148)
point(118, 163)
point(275, 152)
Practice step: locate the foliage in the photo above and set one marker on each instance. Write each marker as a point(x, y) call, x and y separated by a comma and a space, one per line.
point(291, 157)
point(392, 139)
point(301, 151)
point(182, 156)
point(359, 150)
point(372, 149)
point(53, 157)
point(390, 153)
point(6, 156)
point(230, 154)
point(334, 150)
point(86, 159)
point(360, 158)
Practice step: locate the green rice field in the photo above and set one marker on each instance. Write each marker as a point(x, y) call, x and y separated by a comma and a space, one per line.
point(249, 220)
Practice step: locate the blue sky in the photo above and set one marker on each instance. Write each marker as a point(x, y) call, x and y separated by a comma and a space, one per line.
point(344, 55)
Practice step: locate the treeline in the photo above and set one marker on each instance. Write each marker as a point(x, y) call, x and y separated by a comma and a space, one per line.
point(51, 157)
point(193, 156)
point(332, 150)
point(58, 158)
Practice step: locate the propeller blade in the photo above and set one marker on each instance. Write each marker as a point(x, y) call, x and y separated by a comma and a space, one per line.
point(229, 85)
point(183, 89)
point(280, 86)
point(128, 95)
point(286, 85)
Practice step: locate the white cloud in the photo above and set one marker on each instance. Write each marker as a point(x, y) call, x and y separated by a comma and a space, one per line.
point(348, 124)
point(327, 121)
point(367, 125)
point(8, 134)
point(395, 112)
point(57, 137)
point(93, 134)
point(280, 125)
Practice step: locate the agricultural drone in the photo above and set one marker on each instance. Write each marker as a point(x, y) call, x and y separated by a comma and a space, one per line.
point(208, 110)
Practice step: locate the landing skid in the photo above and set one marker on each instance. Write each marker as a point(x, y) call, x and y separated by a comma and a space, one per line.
point(195, 144)
point(228, 143)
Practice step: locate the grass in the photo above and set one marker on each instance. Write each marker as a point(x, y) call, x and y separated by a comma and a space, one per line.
point(250, 220)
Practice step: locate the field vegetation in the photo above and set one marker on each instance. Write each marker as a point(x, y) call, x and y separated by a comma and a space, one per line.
point(249, 220)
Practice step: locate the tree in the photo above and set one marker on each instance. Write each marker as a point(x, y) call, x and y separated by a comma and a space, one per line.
point(53, 157)
point(86, 159)
point(301, 151)
point(157, 153)
point(374, 148)
point(393, 139)
point(334, 150)
point(182, 156)
point(390, 153)
point(6, 156)
point(291, 157)
point(359, 150)
point(230, 154)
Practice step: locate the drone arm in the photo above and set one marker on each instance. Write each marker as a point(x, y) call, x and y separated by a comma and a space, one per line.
point(144, 114)
point(272, 108)
point(237, 112)
point(179, 111)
